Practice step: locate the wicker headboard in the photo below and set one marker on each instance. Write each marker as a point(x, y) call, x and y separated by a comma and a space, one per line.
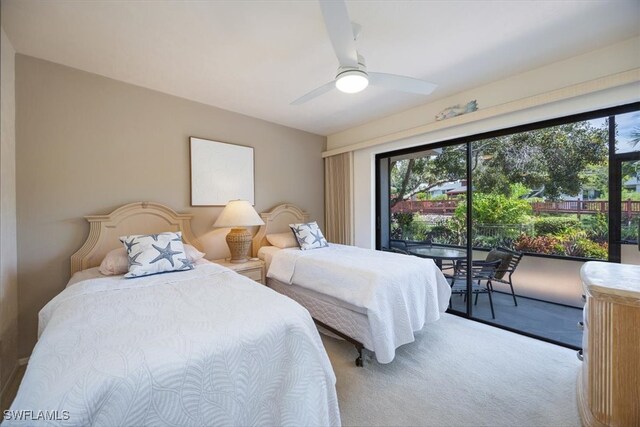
point(277, 220)
point(134, 218)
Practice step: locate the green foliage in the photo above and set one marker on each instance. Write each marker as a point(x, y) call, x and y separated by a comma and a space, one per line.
point(560, 159)
point(589, 249)
point(549, 245)
point(573, 243)
point(496, 209)
point(401, 225)
point(630, 195)
point(422, 196)
point(419, 174)
point(596, 177)
point(555, 225)
point(596, 227)
point(519, 191)
point(553, 158)
point(577, 244)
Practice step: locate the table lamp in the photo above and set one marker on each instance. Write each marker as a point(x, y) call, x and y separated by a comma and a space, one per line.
point(238, 214)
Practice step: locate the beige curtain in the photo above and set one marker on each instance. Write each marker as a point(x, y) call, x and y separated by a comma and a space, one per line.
point(338, 198)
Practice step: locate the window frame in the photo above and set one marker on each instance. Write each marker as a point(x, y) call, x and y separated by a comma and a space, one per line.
point(614, 246)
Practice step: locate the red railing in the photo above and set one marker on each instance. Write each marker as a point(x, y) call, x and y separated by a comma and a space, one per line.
point(442, 207)
point(447, 207)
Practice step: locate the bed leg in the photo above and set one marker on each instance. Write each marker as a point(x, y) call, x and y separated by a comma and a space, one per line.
point(359, 361)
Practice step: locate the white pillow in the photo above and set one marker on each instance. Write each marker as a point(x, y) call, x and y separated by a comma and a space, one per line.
point(283, 240)
point(192, 253)
point(309, 236)
point(117, 261)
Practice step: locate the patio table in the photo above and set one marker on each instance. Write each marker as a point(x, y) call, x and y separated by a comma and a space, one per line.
point(438, 253)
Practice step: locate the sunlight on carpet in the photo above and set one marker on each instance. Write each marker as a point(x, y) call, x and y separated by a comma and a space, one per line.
point(459, 372)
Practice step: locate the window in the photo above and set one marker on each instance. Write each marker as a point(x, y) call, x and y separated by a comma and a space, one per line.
point(542, 189)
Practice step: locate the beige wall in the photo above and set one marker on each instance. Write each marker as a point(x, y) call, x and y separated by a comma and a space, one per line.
point(8, 262)
point(88, 144)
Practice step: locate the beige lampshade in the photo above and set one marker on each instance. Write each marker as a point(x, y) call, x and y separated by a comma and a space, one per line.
point(238, 213)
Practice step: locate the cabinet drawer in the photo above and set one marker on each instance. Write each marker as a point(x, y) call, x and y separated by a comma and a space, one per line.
point(253, 273)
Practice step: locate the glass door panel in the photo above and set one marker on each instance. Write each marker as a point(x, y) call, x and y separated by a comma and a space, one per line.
point(423, 209)
point(630, 212)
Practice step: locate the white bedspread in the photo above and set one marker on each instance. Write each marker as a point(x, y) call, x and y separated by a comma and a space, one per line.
point(400, 293)
point(203, 347)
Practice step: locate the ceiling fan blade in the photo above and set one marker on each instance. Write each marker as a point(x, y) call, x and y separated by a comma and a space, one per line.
point(336, 19)
point(402, 83)
point(315, 93)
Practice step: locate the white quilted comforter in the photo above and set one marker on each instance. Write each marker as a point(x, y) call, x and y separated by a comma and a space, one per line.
point(204, 347)
point(400, 293)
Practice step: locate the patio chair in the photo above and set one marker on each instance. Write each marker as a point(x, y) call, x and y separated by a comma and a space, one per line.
point(509, 261)
point(397, 243)
point(482, 273)
point(395, 250)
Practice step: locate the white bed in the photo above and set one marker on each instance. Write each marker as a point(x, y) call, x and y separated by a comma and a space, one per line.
point(201, 347)
point(375, 300)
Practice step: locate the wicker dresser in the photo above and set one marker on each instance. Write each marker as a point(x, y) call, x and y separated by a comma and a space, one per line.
point(609, 381)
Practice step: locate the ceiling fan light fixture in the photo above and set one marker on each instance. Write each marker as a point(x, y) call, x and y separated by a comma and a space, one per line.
point(352, 81)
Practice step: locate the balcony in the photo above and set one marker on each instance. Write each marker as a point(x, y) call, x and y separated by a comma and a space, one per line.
point(541, 318)
point(548, 290)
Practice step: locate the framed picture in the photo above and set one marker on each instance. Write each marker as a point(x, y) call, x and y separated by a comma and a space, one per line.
point(220, 172)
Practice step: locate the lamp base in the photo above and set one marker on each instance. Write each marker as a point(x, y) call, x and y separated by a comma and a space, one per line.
point(239, 242)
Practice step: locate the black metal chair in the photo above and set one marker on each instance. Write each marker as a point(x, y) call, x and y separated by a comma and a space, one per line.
point(395, 250)
point(482, 273)
point(509, 261)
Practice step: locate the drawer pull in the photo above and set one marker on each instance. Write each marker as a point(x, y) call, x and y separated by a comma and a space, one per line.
point(581, 326)
point(580, 356)
point(584, 298)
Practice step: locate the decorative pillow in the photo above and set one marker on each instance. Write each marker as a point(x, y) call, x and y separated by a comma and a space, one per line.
point(309, 236)
point(117, 261)
point(283, 240)
point(155, 253)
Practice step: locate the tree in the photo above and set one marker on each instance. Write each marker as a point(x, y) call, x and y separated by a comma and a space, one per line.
point(550, 158)
point(420, 174)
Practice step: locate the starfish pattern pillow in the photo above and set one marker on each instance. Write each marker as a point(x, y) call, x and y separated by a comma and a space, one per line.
point(155, 253)
point(309, 236)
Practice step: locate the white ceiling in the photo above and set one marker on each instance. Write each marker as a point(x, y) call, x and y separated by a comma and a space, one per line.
point(255, 57)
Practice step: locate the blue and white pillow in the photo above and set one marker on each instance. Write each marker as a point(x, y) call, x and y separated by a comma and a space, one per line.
point(155, 253)
point(309, 236)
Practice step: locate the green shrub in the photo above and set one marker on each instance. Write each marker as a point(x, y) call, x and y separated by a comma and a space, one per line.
point(496, 209)
point(555, 225)
point(549, 245)
point(577, 244)
point(573, 243)
point(597, 227)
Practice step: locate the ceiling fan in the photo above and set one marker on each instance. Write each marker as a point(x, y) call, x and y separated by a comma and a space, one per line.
point(352, 75)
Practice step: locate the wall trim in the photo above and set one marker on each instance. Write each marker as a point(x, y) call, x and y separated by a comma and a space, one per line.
point(579, 89)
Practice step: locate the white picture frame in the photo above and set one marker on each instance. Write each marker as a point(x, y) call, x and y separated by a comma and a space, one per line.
point(220, 172)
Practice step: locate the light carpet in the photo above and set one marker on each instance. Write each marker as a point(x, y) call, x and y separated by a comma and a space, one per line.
point(459, 372)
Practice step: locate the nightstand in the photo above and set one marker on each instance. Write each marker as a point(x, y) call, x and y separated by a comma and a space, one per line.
point(253, 269)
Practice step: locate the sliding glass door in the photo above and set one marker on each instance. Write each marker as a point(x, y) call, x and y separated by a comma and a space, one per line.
point(549, 195)
point(626, 173)
point(422, 208)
